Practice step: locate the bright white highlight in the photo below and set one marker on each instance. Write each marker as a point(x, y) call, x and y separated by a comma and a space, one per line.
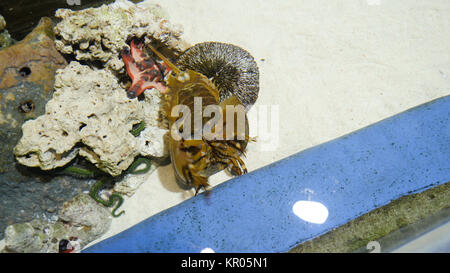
point(207, 250)
point(310, 211)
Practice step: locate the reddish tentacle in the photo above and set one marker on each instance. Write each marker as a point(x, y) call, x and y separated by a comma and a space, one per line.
point(144, 72)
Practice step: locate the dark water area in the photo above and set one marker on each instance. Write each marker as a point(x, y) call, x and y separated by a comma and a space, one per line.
point(27, 194)
point(23, 15)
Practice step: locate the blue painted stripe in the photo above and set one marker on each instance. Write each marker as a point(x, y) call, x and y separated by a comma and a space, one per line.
point(352, 175)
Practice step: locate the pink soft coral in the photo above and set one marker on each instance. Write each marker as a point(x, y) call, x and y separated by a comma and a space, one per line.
point(144, 72)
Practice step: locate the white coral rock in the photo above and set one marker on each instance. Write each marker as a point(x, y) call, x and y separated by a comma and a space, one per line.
point(91, 115)
point(99, 34)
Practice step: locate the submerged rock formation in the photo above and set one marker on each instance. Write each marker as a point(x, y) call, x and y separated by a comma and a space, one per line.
point(27, 74)
point(80, 217)
point(91, 115)
point(99, 34)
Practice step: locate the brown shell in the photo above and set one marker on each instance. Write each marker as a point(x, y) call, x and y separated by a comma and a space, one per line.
point(235, 84)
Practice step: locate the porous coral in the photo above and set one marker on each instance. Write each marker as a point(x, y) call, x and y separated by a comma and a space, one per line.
point(91, 115)
point(99, 34)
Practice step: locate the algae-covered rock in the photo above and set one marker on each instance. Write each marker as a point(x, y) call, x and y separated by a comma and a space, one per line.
point(22, 238)
point(27, 72)
point(91, 115)
point(81, 218)
point(91, 218)
point(27, 75)
point(34, 59)
point(99, 34)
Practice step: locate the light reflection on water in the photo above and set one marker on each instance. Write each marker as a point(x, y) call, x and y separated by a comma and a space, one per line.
point(207, 250)
point(311, 211)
